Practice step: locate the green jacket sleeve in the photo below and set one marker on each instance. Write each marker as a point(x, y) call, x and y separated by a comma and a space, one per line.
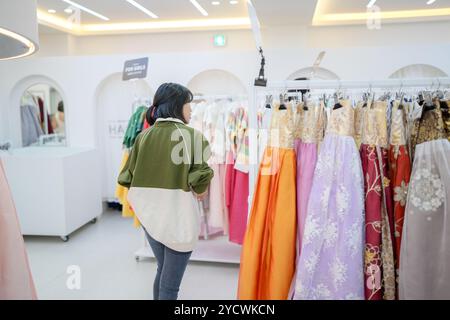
point(126, 175)
point(200, 174)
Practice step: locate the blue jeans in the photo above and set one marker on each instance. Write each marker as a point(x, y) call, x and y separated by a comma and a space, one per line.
point(171, 267)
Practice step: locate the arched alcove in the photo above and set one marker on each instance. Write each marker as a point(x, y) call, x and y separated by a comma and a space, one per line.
point(216, 82)
point(115, 101)
point(14, 114)
point(314, 74)
point(418, 71)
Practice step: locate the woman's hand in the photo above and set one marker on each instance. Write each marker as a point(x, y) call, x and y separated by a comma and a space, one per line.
point(201, 196)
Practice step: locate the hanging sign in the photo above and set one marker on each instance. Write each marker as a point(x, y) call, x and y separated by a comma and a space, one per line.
point(135, 69)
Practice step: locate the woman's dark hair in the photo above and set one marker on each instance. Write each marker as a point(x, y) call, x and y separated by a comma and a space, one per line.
point(61, 106)
point(168, 102)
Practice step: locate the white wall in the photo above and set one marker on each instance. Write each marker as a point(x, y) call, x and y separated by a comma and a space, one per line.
point(79, 78)
point(79, 64)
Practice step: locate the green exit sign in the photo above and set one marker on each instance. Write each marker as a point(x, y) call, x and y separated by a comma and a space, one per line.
point(220, 40)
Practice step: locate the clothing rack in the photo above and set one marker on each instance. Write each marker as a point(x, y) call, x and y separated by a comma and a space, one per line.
point(431, 83)
point(337, 85)
point(220, 97)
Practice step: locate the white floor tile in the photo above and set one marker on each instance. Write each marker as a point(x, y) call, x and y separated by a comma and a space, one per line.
point(105, 254)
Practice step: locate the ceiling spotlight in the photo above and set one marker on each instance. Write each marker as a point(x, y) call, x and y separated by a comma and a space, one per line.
point(431, 2)
point(51, 11)
point(143, 9)
point(199, 7)
point(371, 3)
point(68, 10)
point(215, 3)
point(234, 2)
point(92, 12)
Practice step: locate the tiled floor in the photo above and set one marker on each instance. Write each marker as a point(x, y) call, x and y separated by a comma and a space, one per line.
point(105, 254)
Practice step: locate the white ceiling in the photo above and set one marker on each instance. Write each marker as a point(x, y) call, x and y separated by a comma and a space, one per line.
point(353, 6)
point(285, 12)
point(119, 11)
point(270, 12)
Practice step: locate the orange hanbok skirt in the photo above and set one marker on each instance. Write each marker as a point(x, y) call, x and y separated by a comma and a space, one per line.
point(269, 249)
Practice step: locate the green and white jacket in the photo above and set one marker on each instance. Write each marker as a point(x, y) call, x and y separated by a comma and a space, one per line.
point(167, 163)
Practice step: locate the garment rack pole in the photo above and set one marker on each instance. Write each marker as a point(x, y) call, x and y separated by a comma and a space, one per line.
point(220, 96)
point(432, 83)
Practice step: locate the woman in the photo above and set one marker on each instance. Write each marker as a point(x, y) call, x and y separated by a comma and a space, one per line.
point(166, 167)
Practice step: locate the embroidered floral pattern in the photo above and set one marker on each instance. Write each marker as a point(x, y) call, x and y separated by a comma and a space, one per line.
point(321, 292)
point(401, 193)
point(342, 200)
point(324, 164)
point(325, 198)
point(353, 237)
point(312, 229)
point(330, 234)
point(427, 190)
point(338, 272)
point(311, 263)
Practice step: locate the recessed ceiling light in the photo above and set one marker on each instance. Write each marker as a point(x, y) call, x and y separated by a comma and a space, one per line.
point(234, 2)
point(431, 2)
point(68, 10)
point(215, 3)
point(51, 11)
point(29, 45)
point(199, 7)
point(143, 9)
point(79, 6)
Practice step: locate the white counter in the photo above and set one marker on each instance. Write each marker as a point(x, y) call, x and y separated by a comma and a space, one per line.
point(56, 190)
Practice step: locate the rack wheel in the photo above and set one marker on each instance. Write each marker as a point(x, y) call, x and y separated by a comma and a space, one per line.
point(137, 258)
point(65, 238)
point(94, 220)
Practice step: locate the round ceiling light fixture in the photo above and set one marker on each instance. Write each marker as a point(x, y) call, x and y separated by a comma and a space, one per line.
point(18, 29)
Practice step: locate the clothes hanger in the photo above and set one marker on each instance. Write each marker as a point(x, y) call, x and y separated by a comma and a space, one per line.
point(336, 96)
point(269, 101)
point(282, 102)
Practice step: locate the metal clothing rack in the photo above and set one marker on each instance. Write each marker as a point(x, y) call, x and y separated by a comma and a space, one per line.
point(284, 86)
point(220, 97)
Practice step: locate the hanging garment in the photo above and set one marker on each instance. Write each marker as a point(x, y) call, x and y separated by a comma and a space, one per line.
point(331, 260)
point(122, 194)
point(379, 255)
point(16, 282)
point(264, 116)
point(311, 127)
point(42, 117)
point(238, 205)
point(445, 108)
point(31, 128)
point(238, 210)
point(309, 133)
point(399, 174)
point(425, 249)
point(213, 127)
point(135, 126)
point(230, 147)
point(218, 218)
point(268, 253)
point(236, 176)
point(360, 109)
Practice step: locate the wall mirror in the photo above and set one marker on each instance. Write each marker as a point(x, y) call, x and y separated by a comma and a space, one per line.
point(42, 117)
